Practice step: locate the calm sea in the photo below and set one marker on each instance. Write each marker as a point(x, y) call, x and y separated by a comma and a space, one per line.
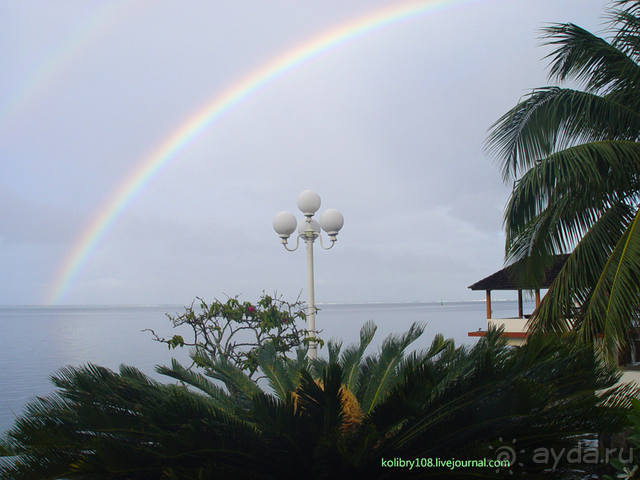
point(36, 341)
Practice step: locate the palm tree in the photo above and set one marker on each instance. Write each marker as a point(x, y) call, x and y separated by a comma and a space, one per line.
point(445, 402)
point(574, 159)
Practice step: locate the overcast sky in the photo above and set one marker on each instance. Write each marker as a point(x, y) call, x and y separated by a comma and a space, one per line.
point(387, 127)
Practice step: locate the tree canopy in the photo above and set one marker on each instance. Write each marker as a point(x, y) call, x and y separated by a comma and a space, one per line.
point(573, 157)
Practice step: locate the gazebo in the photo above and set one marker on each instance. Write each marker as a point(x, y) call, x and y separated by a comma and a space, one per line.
point(512, 278)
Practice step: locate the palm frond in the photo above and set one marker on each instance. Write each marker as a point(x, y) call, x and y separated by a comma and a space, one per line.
point(217, 394)
point(100, 422)
point(378, 374)
point(352, 356)
point(589, 59)
point(612, 308)
point(334, 347)
point(558, 200)
point(438, 345)
point(573, 285)
point(551, 119)
point(541, 394)
point(277, 371)
point(322, 401)
point(624, 18)
point(620, 396)
point(238, 383)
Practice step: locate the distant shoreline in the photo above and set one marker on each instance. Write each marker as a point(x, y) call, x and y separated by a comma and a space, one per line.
point(177, 305)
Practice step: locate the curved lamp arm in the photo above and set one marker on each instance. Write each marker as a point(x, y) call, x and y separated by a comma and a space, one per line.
point(286, 245)
point(333, 241)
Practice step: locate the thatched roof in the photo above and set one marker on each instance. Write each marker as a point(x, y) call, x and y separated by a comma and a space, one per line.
point(512, 278)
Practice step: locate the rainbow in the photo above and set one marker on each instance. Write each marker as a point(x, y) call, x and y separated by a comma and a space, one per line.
point(213, 110)
point(90, 29)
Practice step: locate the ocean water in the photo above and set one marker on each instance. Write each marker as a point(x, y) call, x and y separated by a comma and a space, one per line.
point(37, 341)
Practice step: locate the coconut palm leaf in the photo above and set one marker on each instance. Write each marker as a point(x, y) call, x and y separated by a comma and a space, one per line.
point(614, 304)
point(620, 396)
point(582, 269)
point(591, 176)
point(589, 59)
point(556, 203)
point(574, 158)
point(587, 178)
point(627, 37)
point(551, 119)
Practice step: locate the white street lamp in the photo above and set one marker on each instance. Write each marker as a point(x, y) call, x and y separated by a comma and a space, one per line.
point(331, 221)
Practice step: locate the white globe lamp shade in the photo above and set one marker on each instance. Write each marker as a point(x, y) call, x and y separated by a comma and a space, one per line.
point(309, 227)
point(284, 223)
point(308, 202)
point(331, 221)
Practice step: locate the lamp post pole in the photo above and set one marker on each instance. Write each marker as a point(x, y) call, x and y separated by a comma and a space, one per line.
point(331, 221)
point(311, 312)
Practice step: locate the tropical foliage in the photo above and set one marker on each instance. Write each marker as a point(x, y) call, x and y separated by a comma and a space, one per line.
point(344, 416)
point(235, 331)
point(574, 159)
point(630, 468)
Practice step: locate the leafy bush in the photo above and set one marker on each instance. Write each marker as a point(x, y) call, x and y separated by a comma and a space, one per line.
point(235, 331)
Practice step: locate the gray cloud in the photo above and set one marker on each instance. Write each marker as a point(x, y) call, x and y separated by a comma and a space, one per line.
point(388, 128)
